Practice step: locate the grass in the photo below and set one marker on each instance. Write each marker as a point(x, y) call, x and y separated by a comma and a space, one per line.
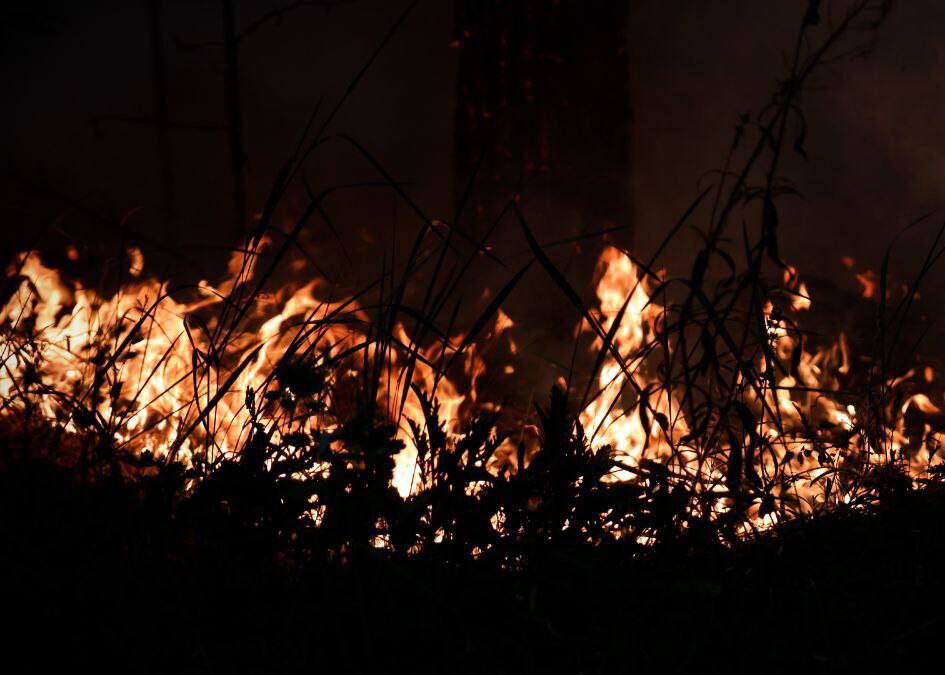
point(100, 575)
point(291, 549)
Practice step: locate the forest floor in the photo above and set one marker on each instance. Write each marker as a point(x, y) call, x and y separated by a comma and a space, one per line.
point(94, 576)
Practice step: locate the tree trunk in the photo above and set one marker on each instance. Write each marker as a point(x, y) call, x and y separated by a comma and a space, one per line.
point(234, 120)
point(161, 123)
point(544, 99)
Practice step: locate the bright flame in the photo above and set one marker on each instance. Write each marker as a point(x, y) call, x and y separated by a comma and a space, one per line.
point(196, 378)
point(606, 419)
point(148, 368)
point(810, 437)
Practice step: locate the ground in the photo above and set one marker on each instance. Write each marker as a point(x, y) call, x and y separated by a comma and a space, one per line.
point(96, 576)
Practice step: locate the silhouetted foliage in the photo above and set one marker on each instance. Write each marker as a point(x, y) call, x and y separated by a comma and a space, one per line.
point(295, 547)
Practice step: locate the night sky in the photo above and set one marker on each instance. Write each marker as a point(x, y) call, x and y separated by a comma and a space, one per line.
point(875, 123)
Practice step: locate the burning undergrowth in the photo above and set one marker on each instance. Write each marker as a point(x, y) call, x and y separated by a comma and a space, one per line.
point(698, 414)
point(337, 425)
point(268, 471)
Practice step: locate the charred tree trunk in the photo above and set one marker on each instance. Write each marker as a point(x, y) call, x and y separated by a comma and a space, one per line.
point(544, 99)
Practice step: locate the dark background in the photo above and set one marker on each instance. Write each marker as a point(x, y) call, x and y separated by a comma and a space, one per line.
point(77, 82)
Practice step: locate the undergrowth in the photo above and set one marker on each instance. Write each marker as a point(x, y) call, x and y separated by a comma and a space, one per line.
point(736, 436)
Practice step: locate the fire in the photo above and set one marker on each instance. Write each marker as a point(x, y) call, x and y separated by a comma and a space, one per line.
point(152, 371)
point(606, 420)
point(193, 373)
point(868, 284)
point(809, 444)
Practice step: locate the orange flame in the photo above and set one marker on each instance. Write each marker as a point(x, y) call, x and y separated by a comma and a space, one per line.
point(151, 369)
point(170, 368)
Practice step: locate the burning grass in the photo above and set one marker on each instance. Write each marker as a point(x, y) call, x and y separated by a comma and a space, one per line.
point(297, 429)
point(309, 398)
point(703, 408)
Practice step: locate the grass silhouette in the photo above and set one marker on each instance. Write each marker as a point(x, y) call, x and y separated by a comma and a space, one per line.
point(294, 551)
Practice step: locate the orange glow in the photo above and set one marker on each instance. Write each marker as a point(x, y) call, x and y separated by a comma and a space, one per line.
point(801, 461)
point(176, 388)
point(868, 284)
point(170, 369)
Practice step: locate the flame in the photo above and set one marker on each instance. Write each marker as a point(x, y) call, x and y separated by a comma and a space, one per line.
point(606, 420)
point(868, 284)
point(811, 437)
point(194, 373)
point(144, 366)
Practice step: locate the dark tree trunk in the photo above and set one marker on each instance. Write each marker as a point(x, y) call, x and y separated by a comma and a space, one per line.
point(234, 119)
point(161, 123)
point(544, 99)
